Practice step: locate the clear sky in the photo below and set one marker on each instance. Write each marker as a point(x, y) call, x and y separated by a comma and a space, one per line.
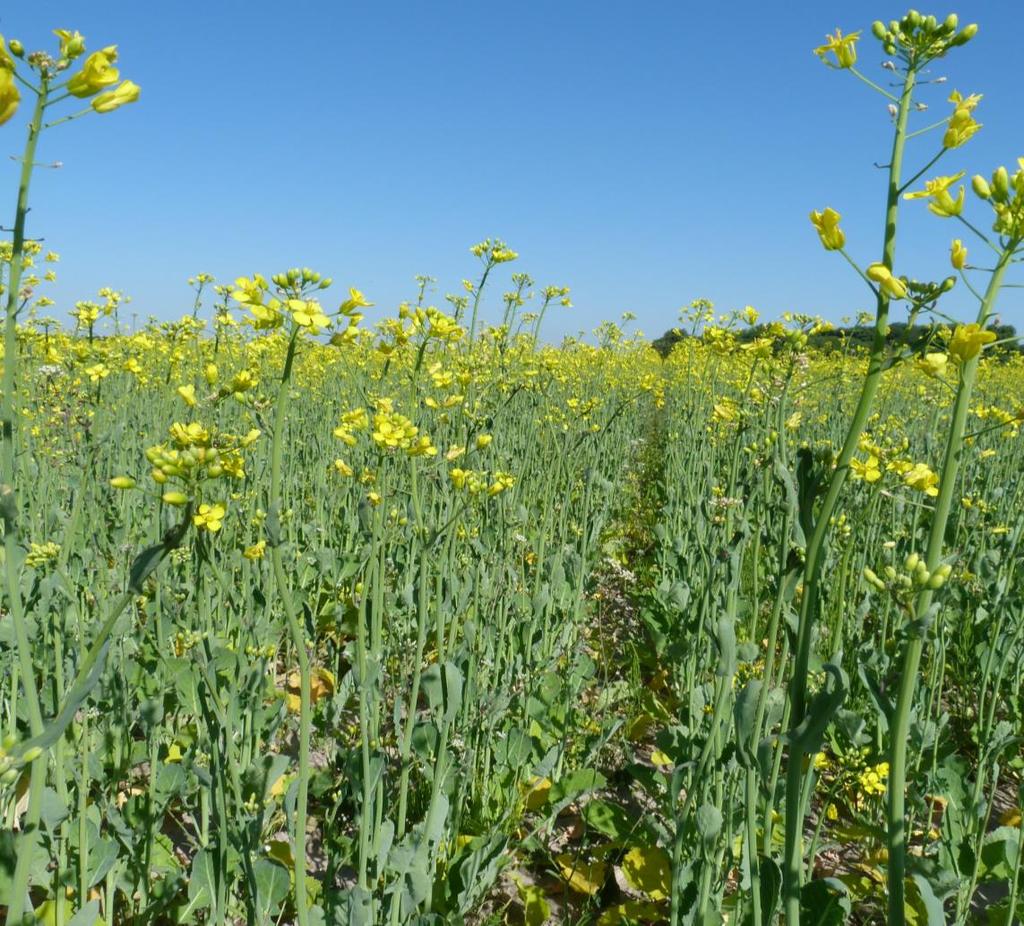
point(643, 153)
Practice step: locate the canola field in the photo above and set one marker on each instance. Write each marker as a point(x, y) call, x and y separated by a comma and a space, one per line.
point(307, 619)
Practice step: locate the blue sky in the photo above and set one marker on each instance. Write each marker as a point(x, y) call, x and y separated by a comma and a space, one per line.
point(643, 153)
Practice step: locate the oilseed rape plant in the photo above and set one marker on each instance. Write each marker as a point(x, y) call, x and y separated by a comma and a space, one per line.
point(308, 618)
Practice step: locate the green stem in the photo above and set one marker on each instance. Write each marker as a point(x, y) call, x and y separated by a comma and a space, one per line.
point(896, 814)
point(792, 867)
point(8, 504)
point(297, 634)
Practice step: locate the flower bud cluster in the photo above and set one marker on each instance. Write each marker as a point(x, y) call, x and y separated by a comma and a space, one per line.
point(915, 575)
point(922, 37)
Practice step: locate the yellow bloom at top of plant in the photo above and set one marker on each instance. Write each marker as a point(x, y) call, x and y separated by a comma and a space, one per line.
point(72, 44)
point(968, 340)
point(942, 203)
point(961, 124)
point(127, 92)
point(827, 225)
point(844, 47)
point(393, 431)
point(97, 73)
point(890, 285)
point(307, 313)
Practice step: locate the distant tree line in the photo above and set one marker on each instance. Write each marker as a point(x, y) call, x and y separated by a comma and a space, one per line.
point(850, 338)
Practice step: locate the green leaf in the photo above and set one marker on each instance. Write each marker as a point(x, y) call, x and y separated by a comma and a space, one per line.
point(824, 902)
point(572, 786)
point(202, 889)
point(272, 886)
point(932, 906)
point(709, 823)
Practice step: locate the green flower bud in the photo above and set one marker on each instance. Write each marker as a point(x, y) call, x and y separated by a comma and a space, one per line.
point(32, 754)
point(17, 49)
point(878, 30)
point(910, 563)
point(980, 186)
point(890, 573)
point(913, 18)
point(175, 498)
point(938, 578)
point(952, 21)
point(1000, 185)
point(947, 284)
point(965, 35)
point(931, 24)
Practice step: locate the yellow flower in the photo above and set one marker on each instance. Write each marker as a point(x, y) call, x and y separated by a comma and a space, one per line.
point(392, 431)
point(188, 394)
point(958, 254)
point(933, 364)
point(256, 551)
point(968, 340)
point(72, 44)
point(97, 73)
point(942, 203)
point(827, 224)
point(921, 478)
point(872, 779)
point(308, 314)
point(868, 470)
point(483, 440)
point(97, 372)
point(107, 102)
point(889, 284)
point(961, 124)
point(842, 46)
point(210, 516)
point(356, 300)
point(9, 94)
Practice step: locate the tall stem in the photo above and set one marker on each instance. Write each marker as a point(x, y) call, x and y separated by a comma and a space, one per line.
point(896, 811)
point(297, 635)
point(816, 542)
point(8, 505)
